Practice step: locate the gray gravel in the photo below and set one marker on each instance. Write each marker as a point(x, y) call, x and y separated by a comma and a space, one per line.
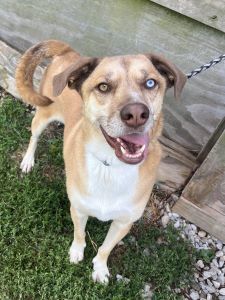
point(209, 277)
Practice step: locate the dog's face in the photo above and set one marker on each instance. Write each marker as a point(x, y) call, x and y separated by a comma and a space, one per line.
point(123, 97)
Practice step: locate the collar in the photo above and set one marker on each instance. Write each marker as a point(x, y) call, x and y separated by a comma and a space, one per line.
point(105, 163)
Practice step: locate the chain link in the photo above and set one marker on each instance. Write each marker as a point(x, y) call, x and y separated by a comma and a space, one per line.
point(206, 66)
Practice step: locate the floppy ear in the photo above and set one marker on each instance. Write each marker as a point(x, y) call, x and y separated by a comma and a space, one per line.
point(74, 75)
point(173, 75)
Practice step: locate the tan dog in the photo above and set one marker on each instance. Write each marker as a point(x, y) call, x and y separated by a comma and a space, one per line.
point(111, 108)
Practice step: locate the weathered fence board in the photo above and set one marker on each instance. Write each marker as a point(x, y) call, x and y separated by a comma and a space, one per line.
point(9, 58)
point(208, 219)
point(206, 193)
point(177, 164)
point(209, 12)
point(98, 27)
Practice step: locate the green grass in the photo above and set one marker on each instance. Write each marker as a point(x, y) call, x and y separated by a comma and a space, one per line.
point(36, 232)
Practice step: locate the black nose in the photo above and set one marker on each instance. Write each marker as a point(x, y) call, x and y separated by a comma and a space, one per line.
point(134, 114)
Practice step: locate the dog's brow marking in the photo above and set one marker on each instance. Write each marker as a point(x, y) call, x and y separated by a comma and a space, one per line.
point(108, 76)
point(145, 73)
point(125, 63)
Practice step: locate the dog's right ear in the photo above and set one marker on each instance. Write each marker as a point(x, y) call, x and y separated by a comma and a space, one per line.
point(74, 75)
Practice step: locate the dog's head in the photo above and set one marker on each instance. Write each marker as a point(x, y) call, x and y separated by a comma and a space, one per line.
point(123, 97)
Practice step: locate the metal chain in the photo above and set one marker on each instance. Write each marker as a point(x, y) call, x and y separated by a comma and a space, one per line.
point(206, 66)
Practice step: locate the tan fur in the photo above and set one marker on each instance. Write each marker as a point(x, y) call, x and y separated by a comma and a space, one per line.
point(28, 64)
point(84, 144)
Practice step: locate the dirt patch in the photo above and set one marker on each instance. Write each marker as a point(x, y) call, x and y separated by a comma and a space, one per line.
point(51, 171)
point(54, 130)
point(156, 206)
point(19, 154)
point(3, 94)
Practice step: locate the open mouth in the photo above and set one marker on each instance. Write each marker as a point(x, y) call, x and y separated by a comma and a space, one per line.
point(131, 148)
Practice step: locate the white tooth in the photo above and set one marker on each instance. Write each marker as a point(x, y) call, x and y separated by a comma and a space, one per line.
point(121, 143)
point(141, 149)
point(123, 150)
point(138, 154)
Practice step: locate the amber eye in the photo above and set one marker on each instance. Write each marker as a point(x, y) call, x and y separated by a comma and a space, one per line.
point(103, 87)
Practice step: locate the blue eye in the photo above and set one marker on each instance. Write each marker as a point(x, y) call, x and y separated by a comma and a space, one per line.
point(150, 83)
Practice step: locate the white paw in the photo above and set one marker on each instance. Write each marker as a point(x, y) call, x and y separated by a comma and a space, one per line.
point(27, 163)
point(76, 253)
point(101, 272)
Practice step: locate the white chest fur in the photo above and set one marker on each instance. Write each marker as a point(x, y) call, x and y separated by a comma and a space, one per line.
point(111, 188)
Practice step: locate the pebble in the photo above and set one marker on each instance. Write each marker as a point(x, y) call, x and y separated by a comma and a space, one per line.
point(202, 233)
point(200, 264)
point(177, 224)
point(191, 233)
point(207, 274)
point(219, 245)
point(214, 277)
point(221, 263)
point(147, 293)
point(168, 210)
point(222, 291)
point(175, 215)
point(221, 279)
point(121, 243)
point(210, 289)
point(216, 284)
point(219, 253)
point(214, 263)
point(209, 297)
point(194, 295)
point(132, 239)
point(165, 220)
point(121, 278)
point(146, 252)
point(209, 282)
point(204, 287)
point(194, 227)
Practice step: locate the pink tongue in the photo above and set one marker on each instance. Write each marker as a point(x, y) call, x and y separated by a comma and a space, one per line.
point(137, 139)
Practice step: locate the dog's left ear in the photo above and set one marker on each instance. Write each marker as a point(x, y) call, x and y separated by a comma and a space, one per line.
point(74, 75)
point(174, 76)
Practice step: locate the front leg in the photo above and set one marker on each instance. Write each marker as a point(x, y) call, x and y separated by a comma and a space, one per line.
point(116, 233)
point(76, 251)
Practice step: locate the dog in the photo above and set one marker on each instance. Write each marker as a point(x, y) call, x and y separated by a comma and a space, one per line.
point(112, 111)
